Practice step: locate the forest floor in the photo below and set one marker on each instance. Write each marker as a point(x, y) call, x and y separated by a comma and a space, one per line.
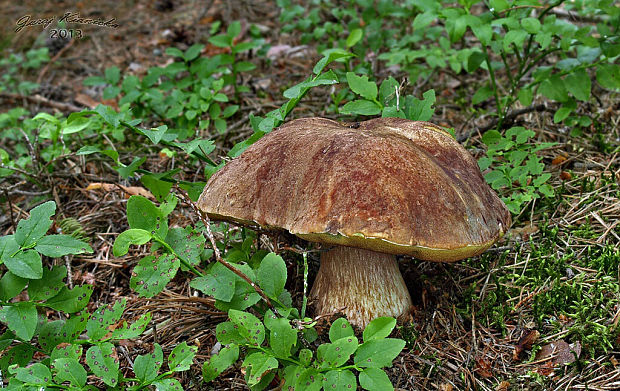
point(496, 322)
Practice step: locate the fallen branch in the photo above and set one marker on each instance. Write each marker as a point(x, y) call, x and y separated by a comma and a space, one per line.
point(216, 251)
point(41, 100)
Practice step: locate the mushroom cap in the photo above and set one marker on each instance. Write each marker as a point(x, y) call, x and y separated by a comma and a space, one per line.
point(389, 185)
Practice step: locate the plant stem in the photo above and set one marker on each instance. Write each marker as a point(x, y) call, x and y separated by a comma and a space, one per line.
point(305, 297)
point(494, 83)
point(218, 256)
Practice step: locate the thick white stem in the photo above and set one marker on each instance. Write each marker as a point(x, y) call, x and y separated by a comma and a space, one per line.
point(361, 284)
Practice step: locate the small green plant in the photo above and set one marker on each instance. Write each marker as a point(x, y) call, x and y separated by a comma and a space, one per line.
point(254, 279)
point(386, 100)
point(14, 66)
point(514, 167)
point(228, 40)
point(328, 368)
point(52, 353)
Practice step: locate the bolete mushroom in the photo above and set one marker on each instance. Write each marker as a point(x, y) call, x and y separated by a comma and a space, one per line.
point(371, 190)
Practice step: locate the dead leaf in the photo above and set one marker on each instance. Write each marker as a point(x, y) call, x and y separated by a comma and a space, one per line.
point(503, 386)
point(558, 160)
point(446, 387)
point(525, 343)
point(560, 352)
point(483, 367)
point(86, 100)
point(131, 190)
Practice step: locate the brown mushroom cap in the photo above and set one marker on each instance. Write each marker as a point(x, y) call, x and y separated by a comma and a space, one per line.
point(388, 185)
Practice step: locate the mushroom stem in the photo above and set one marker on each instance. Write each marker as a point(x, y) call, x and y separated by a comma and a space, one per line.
point(362, 284)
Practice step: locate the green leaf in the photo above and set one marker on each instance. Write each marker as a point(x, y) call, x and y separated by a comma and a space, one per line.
point(186, 243)
point(70, 300)
point(20, 355)
point(55, 246)
point(8, 247)
point(531, 25)
point(379, 328)
point(103, 361)
point(181, 357)
point(515, 37)
point(337, 353)
point(499, 5)
point(67, 351)
point(69, 369)
point(484, 33)
point(248, 326)
point(151, 274)
point(35, 374)
point(127, 171)
point(330, 56)
point(564, 111)
point(421, 110)
point(282, 336)
point(167, 385)
point(108, 114)
point(354, 37)
point(525, 96)
point(227, 332)
point(361, 107)
point(50, 335)
point(424, 19)
point(25, 264)
point(327, 78)
point(49, 285)
point(30, 230)
point(475, 59)
point(271, 275)
point(608, 76)
point(339, 380)
point(483, 93)
point(578, 83)
point(554, 89)
point(103, 317)
point(305, 356)
point(21, 318)
point(112, 75)
point(11, 286)
point(340, 329)
point(221, 40)
point(291, 374)
point(375, 379)
point(155, 134)
point(361, 86)
point(309, 380)
point(193, 52)
point(75, 325)
point(159, 188)
point(143, 214)
point(219, 362)
point(378, 353)
point(219, 282)
point(204, 146)
point(257, 365)
point(234, 29)
point(147, 366)
point(94, 81)
point(131, 331)
point(127, 238)
point(174, 52)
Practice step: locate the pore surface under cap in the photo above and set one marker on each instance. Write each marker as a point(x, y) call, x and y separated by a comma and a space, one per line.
point(389, 185)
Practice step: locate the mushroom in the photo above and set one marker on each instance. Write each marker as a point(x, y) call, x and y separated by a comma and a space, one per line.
point(371, 191)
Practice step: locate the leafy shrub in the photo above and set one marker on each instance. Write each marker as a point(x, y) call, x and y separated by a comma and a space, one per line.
point(44, 353)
